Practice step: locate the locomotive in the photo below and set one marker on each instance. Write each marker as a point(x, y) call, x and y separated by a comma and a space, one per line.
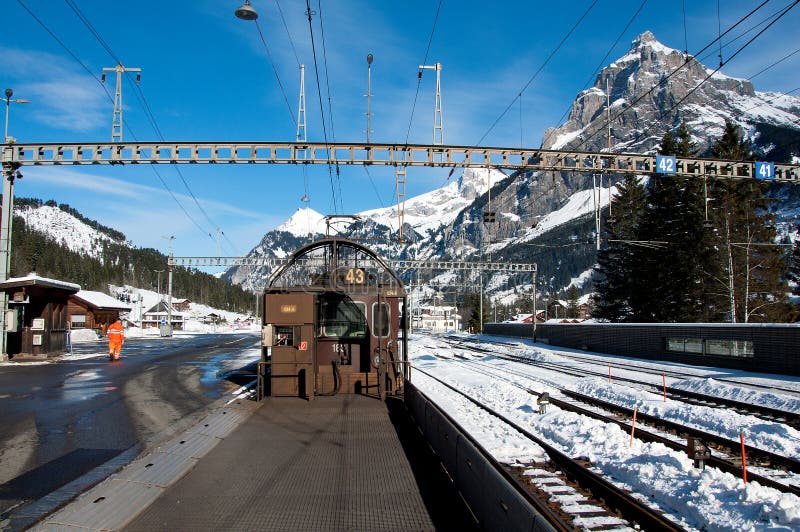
point(333, 321)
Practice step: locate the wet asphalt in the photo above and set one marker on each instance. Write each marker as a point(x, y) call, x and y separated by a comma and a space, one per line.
point(62, 419)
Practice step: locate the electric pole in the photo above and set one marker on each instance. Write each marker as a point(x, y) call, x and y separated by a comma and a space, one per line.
point(369, 93)
point(438, 121)
point(116, 122)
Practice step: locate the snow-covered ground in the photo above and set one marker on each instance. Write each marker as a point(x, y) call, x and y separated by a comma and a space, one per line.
point(697, 499)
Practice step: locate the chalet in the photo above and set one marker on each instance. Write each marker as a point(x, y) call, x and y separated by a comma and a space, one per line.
point(181, 305)
point(436, 318)
point(94, 310)
point(157, 316)
point(37, 323)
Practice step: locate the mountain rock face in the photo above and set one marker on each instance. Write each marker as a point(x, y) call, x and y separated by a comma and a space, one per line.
point(646, 101)
point(548, 217)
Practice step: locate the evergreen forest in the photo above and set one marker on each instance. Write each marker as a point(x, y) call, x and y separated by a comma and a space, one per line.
point(689, 250)
point(120, 264)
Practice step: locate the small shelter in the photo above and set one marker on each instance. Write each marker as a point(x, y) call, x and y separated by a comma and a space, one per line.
point(94, 310)
point(37, 322)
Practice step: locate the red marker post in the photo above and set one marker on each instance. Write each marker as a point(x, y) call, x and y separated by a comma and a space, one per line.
point(744, 458)
point(664, 380)
point(609, 373)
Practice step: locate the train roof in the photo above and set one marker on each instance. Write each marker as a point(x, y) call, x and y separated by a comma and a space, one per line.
point(338, 265)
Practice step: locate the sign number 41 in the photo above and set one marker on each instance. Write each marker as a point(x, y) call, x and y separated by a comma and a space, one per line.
point(765, 170)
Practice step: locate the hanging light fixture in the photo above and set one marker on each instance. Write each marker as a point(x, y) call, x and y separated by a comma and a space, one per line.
point(246, 11)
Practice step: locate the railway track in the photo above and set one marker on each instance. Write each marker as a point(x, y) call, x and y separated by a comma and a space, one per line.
point(672, 435)
point(575, 497)
point(791, 419)
point(646, 369)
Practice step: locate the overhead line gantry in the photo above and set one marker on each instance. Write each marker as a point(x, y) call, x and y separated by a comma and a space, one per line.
point(421, 155)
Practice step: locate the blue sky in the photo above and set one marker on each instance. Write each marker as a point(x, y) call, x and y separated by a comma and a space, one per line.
point(206, 77)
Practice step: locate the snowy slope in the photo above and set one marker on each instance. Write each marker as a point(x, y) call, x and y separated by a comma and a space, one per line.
point(65, 229)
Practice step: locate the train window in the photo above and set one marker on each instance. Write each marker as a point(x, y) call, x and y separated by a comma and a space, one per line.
point(283, 336)
point(380, 320)
point(343, 318)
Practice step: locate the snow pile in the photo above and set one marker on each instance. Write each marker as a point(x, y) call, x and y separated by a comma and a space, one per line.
point(738, 393)
point(83, 335)
point(697, 499)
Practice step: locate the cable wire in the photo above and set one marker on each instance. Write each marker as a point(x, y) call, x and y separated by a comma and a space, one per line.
point(602, 62)
point(536, 74)
point(419, 74)
point(277, 76)
point(666, 78)
point(330, 102)
point(309, 14)
point(291, 41)
point(140, 95)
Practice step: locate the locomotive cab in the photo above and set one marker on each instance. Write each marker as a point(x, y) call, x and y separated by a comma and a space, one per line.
point(333, 323)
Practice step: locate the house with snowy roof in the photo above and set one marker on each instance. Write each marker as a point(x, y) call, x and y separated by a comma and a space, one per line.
point(158, 314)
point(88, 309)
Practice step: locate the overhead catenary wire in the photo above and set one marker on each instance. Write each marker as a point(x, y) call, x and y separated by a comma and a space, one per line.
point(539, 70)
point(309, 14)
point(143, 100)
point(288, 34)
point(723, 63)
point(663, 80)
point(108, 95)
point(419, 74)
point(602, 62)
point(330, 102)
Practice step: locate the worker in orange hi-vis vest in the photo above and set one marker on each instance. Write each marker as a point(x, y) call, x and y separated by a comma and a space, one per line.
point(115, 338)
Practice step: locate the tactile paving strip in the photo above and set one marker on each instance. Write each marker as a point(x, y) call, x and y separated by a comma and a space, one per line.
point(119, 499)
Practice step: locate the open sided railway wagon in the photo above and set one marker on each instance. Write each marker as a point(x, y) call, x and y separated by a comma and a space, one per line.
point(333, 322)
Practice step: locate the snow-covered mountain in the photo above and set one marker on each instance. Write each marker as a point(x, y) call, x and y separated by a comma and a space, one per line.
point(547, 217)
point(65, 229)
point(641, 115)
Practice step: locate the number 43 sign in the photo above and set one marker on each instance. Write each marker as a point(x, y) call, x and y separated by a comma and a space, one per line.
point(765, 170)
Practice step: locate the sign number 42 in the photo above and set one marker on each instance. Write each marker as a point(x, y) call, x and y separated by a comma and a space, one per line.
point(666, 164)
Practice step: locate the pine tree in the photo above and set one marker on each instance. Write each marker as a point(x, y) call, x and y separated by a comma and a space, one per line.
point(615, 275)
point(751, 284)
point(674, 232)
point(572, 302)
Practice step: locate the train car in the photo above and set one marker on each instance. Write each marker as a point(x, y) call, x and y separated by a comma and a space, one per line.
point(333, 322)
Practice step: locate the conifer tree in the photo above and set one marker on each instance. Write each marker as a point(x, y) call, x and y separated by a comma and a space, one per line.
point(615, 275)
point(671, 268)
point(751, 284)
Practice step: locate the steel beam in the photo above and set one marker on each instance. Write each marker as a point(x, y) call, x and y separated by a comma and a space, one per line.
point(227, 262)
point(374, 154)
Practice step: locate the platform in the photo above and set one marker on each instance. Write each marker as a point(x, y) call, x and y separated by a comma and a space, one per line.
point(336, 463)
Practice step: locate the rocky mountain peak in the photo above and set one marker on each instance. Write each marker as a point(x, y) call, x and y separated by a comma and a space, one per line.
point(651, 90)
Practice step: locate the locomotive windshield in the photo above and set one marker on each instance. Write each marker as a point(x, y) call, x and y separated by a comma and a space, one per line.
point(341, 317)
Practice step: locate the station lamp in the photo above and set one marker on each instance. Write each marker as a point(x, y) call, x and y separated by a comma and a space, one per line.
point(246, 11)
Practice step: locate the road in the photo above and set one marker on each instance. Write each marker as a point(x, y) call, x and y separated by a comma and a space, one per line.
point(62, 419)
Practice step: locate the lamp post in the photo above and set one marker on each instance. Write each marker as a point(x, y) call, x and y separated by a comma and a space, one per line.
point(9, 101)
point(10, 172)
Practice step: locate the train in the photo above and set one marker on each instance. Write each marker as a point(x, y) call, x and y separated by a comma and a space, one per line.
point(333, 322)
